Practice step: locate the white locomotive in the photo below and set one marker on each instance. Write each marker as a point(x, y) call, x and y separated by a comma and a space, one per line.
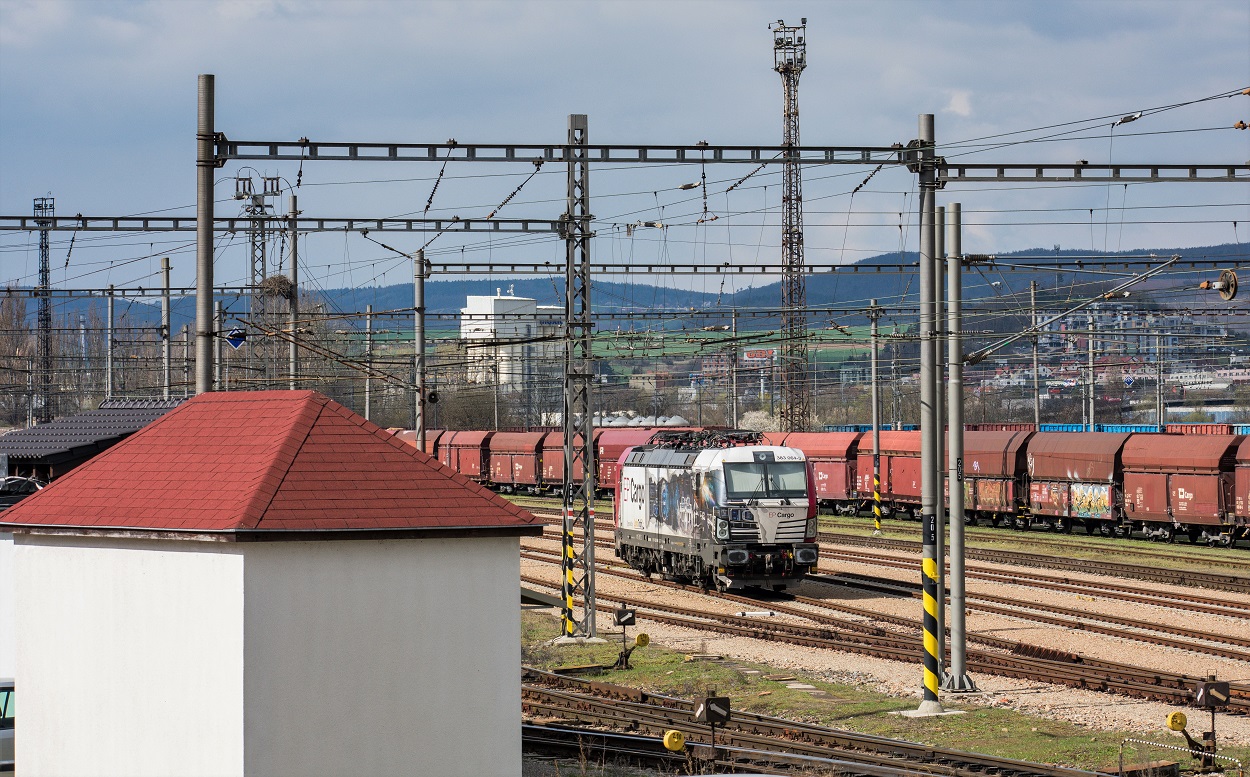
point(718, 509)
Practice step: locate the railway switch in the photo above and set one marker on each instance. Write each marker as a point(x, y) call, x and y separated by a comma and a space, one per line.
point(624, 616)
point(713, 710)
point(1209, 695)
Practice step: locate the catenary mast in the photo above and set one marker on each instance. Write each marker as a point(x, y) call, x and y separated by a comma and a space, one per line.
point(790, 58)
point(45, 210)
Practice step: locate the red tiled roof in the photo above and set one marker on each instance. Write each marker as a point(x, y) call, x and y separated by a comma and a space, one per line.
point(267, 461)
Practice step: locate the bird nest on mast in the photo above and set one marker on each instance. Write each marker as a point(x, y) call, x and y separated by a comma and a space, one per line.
point(277, 286)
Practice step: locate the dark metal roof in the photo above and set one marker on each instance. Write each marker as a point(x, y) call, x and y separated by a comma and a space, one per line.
point(993, 453)
point(1088, 456)
point(826, 445)
point(1181, 452)
point(114, 420)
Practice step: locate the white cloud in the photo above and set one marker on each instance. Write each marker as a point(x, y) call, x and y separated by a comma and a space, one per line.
point(960, 103)
point(25, 24)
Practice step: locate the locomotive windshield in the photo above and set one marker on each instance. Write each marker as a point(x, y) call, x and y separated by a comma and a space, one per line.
point(765, 480)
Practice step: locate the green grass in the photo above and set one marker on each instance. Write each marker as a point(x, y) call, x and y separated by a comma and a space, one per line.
point(984, 729)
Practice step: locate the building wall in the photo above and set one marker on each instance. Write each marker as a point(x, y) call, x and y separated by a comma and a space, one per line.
point(383, 658)
point(130, 657)
point(8, 628)
point(269, 659)
point(523, 322)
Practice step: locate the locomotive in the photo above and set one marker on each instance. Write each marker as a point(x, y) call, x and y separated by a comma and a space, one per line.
point(718, 509)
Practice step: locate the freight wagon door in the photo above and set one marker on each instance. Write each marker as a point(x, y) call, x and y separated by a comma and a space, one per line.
point(904, 478)
point(863, 475)
point(1146, 496)
point(992, 495)
point(1241, 500)
point(1196, 498)
point(1047, 498)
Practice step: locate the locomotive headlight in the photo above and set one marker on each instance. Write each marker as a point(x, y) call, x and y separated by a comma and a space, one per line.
point(722, 529)
point(812, 527)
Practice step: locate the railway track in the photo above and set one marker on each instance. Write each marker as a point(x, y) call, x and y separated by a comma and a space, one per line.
point(1214, 580)
point(1007, 658)
point(1104, 588)
point(1224, 645)
point(751, 739)
point(1209, 643)
point(1064, 543)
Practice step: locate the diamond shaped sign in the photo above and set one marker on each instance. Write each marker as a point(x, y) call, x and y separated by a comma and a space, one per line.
point(236, 338)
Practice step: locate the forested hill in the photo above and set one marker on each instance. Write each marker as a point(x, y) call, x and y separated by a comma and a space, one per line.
point(683, 292)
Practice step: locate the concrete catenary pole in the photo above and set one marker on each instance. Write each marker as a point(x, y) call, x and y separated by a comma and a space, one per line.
point(186, 360)
point(733, 369)
point(874, 314)
point(219, 319)
point(939, 414)
point(293, 301)
point(1037, 395)
point(928, 431)
point(1160, 416)
point(1089, 339)
point(108, 348)
point(368, 361)
point(166, 338)
point(205, 164)
point(419, 273)
point(957, 678)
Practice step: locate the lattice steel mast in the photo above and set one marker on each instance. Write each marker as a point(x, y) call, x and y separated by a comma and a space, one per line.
point(579, 449)
point(258, 212)
point(45, 212)
point(790, 58)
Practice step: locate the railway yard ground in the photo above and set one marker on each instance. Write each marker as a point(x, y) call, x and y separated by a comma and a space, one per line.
point(842, 649)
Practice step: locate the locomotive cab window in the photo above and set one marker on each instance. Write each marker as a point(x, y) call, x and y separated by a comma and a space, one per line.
point(759, 480)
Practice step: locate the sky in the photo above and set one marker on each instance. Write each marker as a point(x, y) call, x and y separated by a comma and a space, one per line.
point(98, 109)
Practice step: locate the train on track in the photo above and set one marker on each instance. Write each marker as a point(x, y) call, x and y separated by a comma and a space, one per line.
point(1189, 481)
point(718, 509)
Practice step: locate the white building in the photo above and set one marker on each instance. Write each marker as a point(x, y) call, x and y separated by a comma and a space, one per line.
point(264, 583)
point(8, 630)
point(511, 340)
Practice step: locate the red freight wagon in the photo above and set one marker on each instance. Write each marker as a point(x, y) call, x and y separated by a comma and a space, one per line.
point(779, 438)
point(994, 466)
point(466, 453)
point(552, 460)
point(1075, 475)
point(1241, 502)
point(1179, 480)
point(1224, 429)
point(900, 468)
point(431, 440)
point(407, 435)
point(410, 436)
point(1000, 427)
point(832, 456)
point(610, 444)
point(515, 459)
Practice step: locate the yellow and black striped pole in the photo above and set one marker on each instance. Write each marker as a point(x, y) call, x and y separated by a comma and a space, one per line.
point(874, 313)
point(876, 493)
point(930, 426)
point(570, 585)
point(929, 570)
